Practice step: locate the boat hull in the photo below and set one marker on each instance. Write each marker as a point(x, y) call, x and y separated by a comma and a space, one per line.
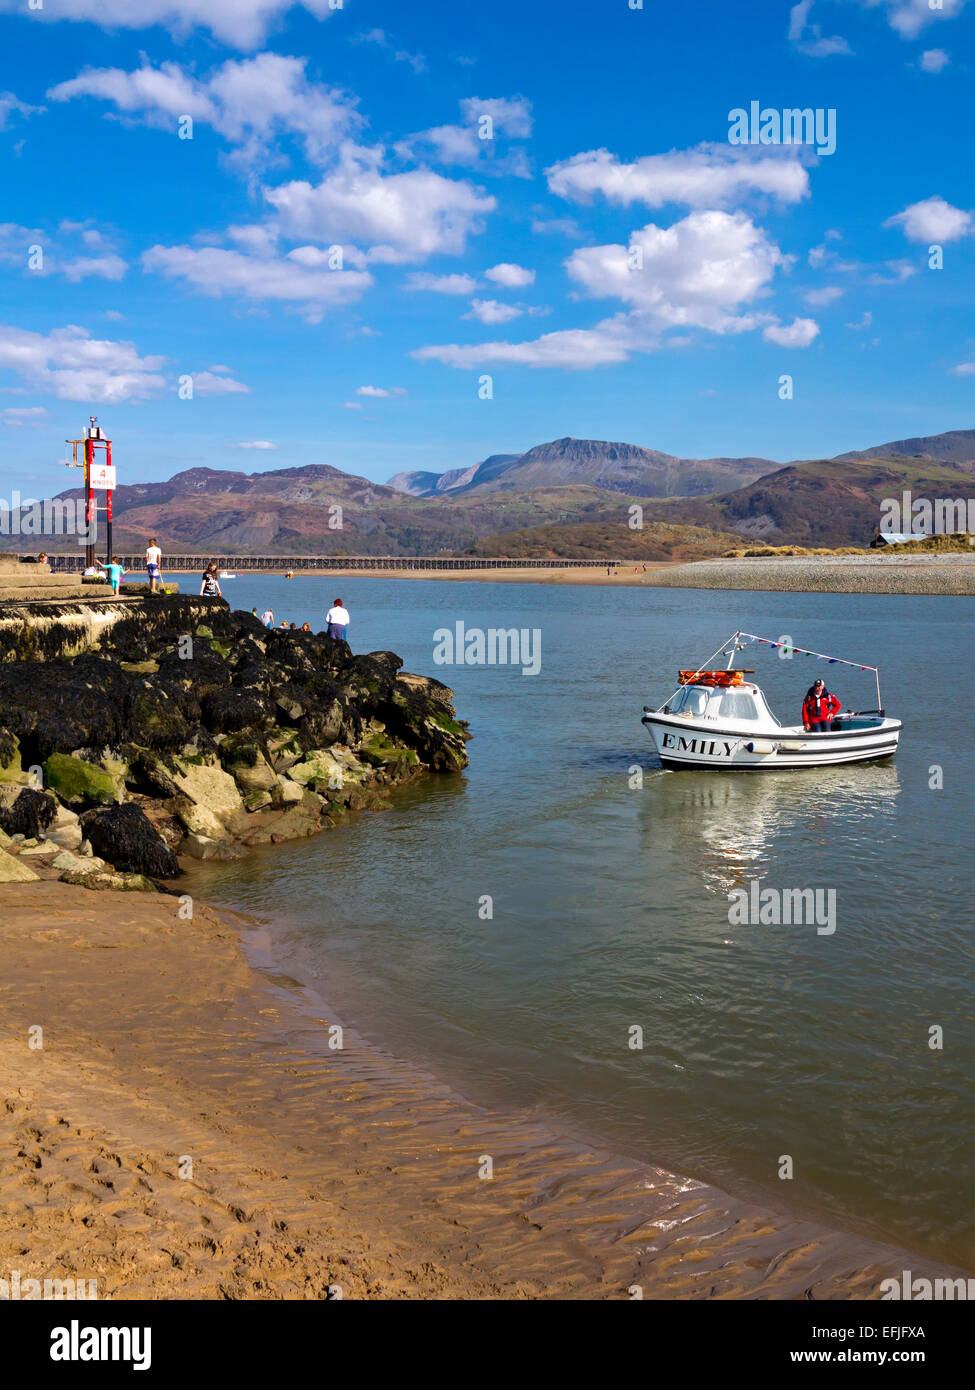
point(681, 744)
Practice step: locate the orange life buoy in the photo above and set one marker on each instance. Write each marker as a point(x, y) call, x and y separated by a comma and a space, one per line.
point(710, 677)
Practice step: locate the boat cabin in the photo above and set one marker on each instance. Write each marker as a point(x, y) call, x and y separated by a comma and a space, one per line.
point(740, 702)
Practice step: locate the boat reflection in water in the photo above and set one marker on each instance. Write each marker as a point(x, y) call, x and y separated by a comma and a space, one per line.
point(735, 828)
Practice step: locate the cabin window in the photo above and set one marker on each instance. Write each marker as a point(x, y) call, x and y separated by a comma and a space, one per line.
point(691, 699)
point(735, 704)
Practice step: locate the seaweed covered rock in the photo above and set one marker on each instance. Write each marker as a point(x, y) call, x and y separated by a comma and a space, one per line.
point(11, 768)
point(222, 730)
point(126, 837)
point(79, 782)
point(28, 814)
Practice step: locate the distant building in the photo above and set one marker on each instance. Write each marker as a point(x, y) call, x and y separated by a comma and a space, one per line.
point(893, 538)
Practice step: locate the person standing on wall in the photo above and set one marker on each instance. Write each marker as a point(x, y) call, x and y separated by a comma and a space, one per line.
point(153, 561)
point(210, 586)
point(337, 620)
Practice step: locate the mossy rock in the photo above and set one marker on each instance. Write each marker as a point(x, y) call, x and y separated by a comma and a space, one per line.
point(78, 782)
point(11, 769)
point(380, 751)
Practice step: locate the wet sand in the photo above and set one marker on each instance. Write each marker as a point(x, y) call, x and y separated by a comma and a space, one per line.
point(186, 1131)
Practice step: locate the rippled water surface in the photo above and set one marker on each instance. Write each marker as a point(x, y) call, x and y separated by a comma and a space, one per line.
point(610, 902)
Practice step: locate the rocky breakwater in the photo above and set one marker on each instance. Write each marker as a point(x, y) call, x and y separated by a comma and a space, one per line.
point(184, 728)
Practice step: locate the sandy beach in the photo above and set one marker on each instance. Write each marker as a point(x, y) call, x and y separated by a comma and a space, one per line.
point(869, 573)
point(186, 1131)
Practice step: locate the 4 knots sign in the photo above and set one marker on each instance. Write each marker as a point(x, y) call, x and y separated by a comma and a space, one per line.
point(102, 476)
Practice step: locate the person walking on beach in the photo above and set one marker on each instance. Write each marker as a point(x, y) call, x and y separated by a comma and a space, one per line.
point(113, 571)
point(337, 620)
point(819, 709)
point(210, 585)
point(153, 561)
point(267, 617)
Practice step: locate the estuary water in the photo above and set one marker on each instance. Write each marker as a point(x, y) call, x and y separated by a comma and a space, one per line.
point(551, 931)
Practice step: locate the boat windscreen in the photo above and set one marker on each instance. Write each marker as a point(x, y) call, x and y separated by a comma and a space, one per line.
point(690, 699)
point(735, 704)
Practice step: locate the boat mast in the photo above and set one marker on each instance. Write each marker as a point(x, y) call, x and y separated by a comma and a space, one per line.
point(735, 648)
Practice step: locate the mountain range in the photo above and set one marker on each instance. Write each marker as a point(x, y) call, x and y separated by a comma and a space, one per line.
point(528, 503)
point(625, 468)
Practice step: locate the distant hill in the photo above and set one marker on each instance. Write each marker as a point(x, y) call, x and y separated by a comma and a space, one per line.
point(823, 502)
point(626, 468)
point(954, 446)
point(432, 484)
point(290, 511)
point(658, 540)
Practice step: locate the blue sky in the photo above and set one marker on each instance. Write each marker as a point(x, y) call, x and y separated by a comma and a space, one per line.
point(542, 193)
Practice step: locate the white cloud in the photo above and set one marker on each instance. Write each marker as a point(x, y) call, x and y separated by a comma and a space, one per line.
point(556, 226)
point(863, 324)
point(239, 23)
point(899, 271)
point(215, 382)
point(826, 295)
point(797, 334)
point(697, 273)
point(693, 273)
point(13, 106)
point(708, 176)
point(381, 39)
point(932, 220)
point(298, 278)
point(809, 39)
point(475, 140)
point(934, 60)
point(609, 342)
point(70, 364)
point(510, 276)
point(441, 284)
point(24, 417)
point(909, 17)
point(57, 258)
point(352, 405)
point(964, 369)
point(110, 267)
point(510, 116)
point(257, 444)
point(380, 392)
point(493, 311)
point(250, 102)
point(402, 217)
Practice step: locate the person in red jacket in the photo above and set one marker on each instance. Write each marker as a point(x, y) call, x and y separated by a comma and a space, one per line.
point(819, 709)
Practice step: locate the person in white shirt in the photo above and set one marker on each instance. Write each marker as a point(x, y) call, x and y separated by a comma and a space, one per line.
point(153, 561)
point(267, 617)
point(337, 620)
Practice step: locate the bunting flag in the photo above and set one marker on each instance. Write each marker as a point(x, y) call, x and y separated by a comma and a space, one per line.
point(804, 651)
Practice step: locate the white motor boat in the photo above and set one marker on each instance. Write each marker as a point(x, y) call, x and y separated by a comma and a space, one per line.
point(224, 575)
point(720, 719)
